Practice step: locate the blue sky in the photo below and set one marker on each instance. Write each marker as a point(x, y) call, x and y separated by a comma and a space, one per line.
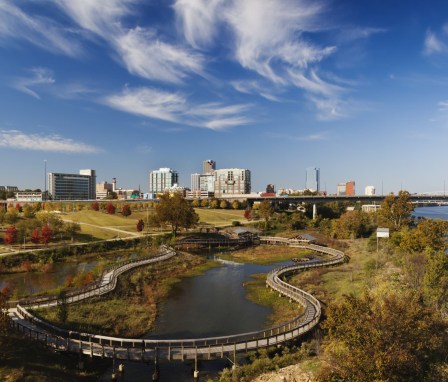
point(356, 88)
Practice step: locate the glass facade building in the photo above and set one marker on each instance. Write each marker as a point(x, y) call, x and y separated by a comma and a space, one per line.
point(162, 179)
point(312, 179)
point(72, 186)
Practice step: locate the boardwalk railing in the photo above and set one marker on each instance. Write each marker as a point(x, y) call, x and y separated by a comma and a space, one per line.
point(205, 348)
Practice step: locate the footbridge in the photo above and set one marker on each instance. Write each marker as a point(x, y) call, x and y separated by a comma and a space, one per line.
point(137, 349)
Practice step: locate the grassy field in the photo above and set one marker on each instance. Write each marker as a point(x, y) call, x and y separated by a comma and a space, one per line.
point(265, 254)
point(102, 226)
point(353, 277)
point(220, 217)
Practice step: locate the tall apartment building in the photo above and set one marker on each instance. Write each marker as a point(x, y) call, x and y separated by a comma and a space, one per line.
point(312, 179)
point(80, 186)
point(162, 179)
point(208, 166)
point(231, 181)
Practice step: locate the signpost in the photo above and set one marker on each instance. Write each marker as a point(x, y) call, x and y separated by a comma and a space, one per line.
point(381, 232)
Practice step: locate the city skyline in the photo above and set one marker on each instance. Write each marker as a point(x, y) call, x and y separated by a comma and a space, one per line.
point(124, 87)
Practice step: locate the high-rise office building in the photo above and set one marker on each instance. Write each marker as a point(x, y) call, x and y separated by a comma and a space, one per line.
point(162, 179)
point(231, 181)
point(208, 166)
point(312, 179)
point(80, 186)
point(195, 182)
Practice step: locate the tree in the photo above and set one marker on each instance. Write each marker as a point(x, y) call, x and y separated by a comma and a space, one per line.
point(110, 208)
point(435, 281)
point(265, 210)
point(72, 229)
point(28, 211)
point(235, 205)
point(11, 216)
point(47, 234)
point(395, 213)
point(10, 235)
point(204, 203)
point(388, 336)
point(126, 210)
point(223, 204)
point(352, 225)
point(140, 225)
point(95, 206)
point(214, 203)
point(196, 203)
point(2, 215)
point(248, 213)
point(175, 211)
point(429, 235)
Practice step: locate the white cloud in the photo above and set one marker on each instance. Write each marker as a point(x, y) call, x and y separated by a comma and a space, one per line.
point(146, 56)
point(39, 77)
point(16, 139)
point(175, 108)
point(320, 136)
point(433, 44)
point(198, 19)
point(37, 30)
point(139, 49)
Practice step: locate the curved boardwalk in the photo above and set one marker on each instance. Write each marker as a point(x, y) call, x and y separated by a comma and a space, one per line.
point(181, 349)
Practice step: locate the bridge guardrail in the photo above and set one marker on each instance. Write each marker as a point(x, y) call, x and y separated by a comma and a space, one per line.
point(244, 341)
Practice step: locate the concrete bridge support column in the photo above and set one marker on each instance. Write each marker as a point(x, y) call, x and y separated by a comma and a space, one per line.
point(314, 211)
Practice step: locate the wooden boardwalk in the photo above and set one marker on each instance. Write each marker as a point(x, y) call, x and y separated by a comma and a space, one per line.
point(137, 349)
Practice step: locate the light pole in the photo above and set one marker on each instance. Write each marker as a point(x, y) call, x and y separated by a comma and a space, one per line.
point(45, 179)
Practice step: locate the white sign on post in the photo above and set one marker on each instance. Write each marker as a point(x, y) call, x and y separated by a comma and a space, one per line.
point(382, 232)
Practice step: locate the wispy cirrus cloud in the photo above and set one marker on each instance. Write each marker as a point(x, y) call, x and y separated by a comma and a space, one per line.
point(16, 139)
point(320, 136)
point(433, 44)
point(43, 32)
point(38, 77)
point(197, 19)
point(268, 38)
point(175, 108)
point(140, 49)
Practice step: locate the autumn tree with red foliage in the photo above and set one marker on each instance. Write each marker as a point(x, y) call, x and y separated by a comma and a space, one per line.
point(247, 213)
point(35, 236)
point(110, 208)
point(140, 225)
point(126, 210)
point(18, 207)
point(95, 206)
point(47, 234)
point(10, 235)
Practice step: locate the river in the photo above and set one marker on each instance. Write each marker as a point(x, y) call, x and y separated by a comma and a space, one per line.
point(439, 212)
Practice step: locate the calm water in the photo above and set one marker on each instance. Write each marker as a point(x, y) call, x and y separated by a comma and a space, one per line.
point(432, 212)
point(212, 304)
point(35, 282)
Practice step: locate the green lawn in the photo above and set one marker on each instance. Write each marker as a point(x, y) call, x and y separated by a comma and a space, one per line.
point(219, 217)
